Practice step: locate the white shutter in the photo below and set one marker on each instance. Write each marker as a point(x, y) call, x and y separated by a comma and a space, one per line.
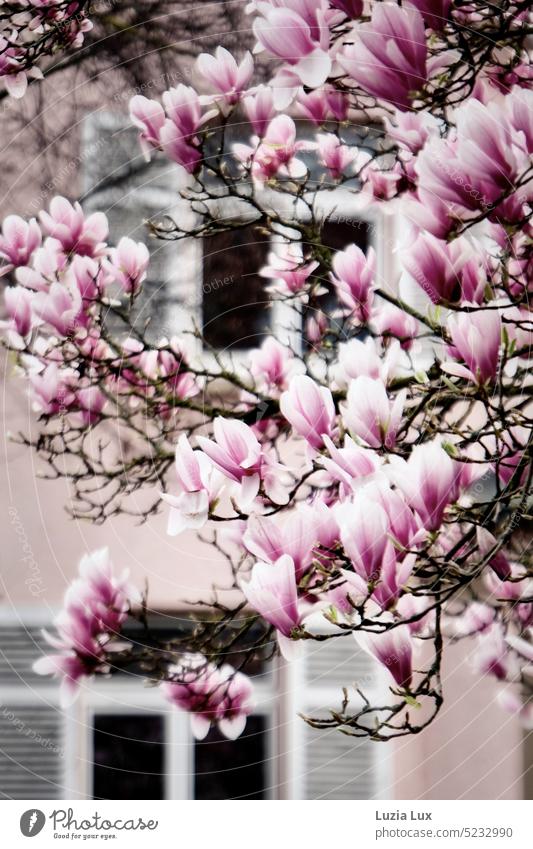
point(31, 751)
point(19, 648)
point(335, 765)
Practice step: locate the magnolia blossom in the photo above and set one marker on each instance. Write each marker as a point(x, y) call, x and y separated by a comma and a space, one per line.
point(298, 36)
point(18, 241)
point(128, 264)
point(212, 695)
point(370, 414)
point(239, 456)
point(334, 155)
point(272, 592)
point(259, 108)
point(149, 117)
point(309, 408)
point(303, 531)
point(199, 487)
point(436, 266)
point(393, 649)
point(18, 302)
point(224, 75)
point(96, 604)
point(364, 527)
point(272, 365)
point(388, 56)
point(275, 155)
point(430, 480)
point(351, 465)
point(353, 277)
point(288, 270)
point(66, 222)
point(476, 338)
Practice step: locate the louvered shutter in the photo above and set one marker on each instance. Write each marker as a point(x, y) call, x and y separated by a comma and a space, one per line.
point(31, 751)
point(32, 757)
point(19, 648)
point(337, 766)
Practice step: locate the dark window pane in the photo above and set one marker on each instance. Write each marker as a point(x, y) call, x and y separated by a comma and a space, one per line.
point(337, 234)
point(234, 305)
point(232, 769)
point(128, 756)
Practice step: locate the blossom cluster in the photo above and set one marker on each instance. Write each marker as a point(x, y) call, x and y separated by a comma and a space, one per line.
point(87, 630)
point(67, 281)
point(31, 29)
point(213, 695)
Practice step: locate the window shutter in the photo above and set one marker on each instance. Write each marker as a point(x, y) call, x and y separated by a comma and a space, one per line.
point(31, 728)
point(337, 766)
point(31, 751)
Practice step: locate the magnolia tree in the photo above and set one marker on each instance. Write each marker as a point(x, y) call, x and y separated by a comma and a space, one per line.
point(372, 482)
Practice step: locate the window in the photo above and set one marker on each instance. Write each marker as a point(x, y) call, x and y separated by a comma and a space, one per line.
point(234, 303)
point(128, 756)
point(233, 769)
point(337, 233)
point(121, 740)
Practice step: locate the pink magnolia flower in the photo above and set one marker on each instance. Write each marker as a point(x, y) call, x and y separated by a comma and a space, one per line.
point(476, 338)
point(436, 266)
point(224, 75)
point(182, 150)
point(212, 695)
point(395, 574)
point(276, 154)
point(287, 269)
point(299, 36)
point(351, 465)
point(303, 530)
point(487, 543)
point(96, 605)
point(370, 414)
point(199, 486)
point(149, 117)
point(334, 155)
point(69, 667)
point(430, 481)
point(18, 303)
point(237, 454)
point(492, 656)
point(18, 241)
point(46, 263)
point(184, 109)
point(390, 321)
point(309, 408)
point(393, 649)
point(364, 528)
point(272, 365)
point(388, 58)
point(128, 264)
point(60, 307)
point(52, 390)
point(272, 592)
point(412, 129)
point(353, 278)
point(259, 108)
point(91, 402)
point(77, 234)
point(434, 12)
